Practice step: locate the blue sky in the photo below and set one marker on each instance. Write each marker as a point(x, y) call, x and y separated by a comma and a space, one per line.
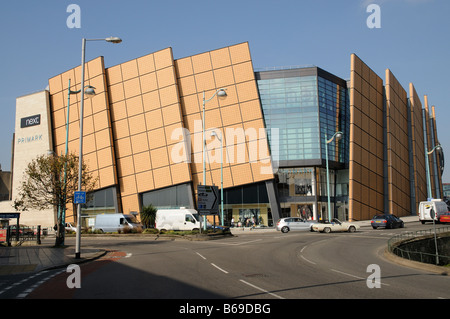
point(413, 41)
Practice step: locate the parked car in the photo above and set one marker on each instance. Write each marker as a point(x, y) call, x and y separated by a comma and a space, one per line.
point(24, 230)
point(335, 226)
point(70, 228)
point(387, 221)
point(294, 223)
point(444, 217)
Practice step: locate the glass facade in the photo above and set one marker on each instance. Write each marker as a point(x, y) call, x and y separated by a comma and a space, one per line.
point(334, 116)
point(290, 104)
point(308, 106)
point(172, 197)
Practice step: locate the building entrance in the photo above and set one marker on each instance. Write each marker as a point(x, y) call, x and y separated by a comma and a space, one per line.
point(303, 210)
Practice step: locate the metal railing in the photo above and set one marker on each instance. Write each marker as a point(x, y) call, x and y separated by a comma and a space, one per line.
point(420, 256)
point(22, 234)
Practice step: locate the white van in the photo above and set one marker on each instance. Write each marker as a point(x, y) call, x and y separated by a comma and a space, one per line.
point(114, 222)
point(425, 208)
point(177, 219)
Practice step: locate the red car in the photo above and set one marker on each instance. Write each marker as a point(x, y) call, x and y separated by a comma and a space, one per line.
point(444, 218)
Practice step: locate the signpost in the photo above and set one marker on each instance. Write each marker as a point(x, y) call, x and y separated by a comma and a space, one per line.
point(79, 197)
point(207, 200)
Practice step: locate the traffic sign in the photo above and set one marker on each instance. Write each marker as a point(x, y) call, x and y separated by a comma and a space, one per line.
point(207, 200)
point(79, 198)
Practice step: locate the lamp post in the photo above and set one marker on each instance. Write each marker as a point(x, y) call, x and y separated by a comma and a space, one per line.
point(89, 92)
point(338, 136)
point(213, 133)
point(436, 148)
point(221, 94)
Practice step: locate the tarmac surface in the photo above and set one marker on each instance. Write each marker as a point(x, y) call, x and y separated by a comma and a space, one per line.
point(32, 258)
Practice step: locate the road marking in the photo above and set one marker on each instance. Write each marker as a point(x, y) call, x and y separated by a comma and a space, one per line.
point(219, 268)
point(200, 255)
point(22, 281)
point(344, 273)
point(311, 262)
point(260, 289)
point(233, 244)
point(347, 274)
point(29, 290)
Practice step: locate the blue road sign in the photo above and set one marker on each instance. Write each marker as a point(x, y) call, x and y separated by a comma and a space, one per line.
point(79, 197)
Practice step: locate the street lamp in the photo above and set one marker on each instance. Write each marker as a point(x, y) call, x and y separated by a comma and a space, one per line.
point(439, 149)
point(213, 133)
point(89, 93)
point(436, 148)
point(221, 95)
point(338, 135)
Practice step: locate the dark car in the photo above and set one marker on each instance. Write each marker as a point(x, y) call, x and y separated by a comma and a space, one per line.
point(387, 221)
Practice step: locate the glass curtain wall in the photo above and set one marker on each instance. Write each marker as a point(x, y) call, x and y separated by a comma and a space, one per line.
point(334, 116)
point(305, 105)
point(172, 197)
point(290, 104)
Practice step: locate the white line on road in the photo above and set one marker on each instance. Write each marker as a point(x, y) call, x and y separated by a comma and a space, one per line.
point(311, 262)
point(357, 277)
point(260, 289)
point(347, 274)
point(233, 244)
point(200, 255)
point(219, 268)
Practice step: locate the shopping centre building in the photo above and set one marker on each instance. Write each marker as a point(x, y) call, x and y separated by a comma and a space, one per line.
point(268, 142)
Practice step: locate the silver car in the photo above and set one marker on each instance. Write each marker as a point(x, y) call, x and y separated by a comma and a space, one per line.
point(294, 223)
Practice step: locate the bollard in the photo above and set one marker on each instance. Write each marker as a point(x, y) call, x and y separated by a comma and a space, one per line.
point(38, 235)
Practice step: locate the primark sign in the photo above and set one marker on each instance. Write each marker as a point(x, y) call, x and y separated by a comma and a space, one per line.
point(30, 121)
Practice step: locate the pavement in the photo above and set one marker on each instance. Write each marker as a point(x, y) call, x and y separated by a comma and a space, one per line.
point(36, 258)
point(32, 258)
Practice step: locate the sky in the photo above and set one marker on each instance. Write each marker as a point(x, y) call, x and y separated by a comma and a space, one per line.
point(412, 39)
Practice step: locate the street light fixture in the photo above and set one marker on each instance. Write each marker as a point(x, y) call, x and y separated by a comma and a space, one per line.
point(90, 93)
point(439, 149)
point(338, 135)
point(221, 95)
point(436, 148)
point(213, 133)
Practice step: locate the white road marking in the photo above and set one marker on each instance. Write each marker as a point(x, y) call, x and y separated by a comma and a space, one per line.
point(200, 255)
point(260, 289)
point(219, 268)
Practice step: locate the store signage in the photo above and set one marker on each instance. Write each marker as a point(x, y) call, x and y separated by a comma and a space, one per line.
point(30, 121)
point(29, 139)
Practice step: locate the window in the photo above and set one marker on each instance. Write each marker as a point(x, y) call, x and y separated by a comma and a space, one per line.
point(170, 197)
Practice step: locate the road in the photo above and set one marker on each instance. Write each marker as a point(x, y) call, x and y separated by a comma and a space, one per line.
point(265, 266)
